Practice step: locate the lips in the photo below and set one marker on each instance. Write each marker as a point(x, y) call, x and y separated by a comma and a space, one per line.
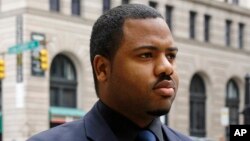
point(165, 88)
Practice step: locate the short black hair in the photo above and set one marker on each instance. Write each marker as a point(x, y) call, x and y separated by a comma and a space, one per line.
point(107, 31)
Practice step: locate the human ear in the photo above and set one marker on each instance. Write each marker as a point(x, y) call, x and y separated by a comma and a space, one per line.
point(101, 67)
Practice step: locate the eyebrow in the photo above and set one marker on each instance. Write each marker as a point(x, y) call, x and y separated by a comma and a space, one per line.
point(155, 48)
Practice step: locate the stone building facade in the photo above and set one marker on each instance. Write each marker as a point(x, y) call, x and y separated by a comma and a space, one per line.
point(213, 61)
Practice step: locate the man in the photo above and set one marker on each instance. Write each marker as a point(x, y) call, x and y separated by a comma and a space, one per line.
point(133, 57)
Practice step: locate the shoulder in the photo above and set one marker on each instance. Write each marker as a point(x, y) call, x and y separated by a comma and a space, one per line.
point(171, 133)
point(65, 132)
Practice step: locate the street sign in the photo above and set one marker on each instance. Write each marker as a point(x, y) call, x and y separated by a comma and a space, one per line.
point(23, 47)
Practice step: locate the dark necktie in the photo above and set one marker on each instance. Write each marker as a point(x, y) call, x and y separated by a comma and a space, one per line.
point(145, 135)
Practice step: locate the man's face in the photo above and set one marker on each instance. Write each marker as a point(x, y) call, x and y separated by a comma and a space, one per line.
point(143, 80)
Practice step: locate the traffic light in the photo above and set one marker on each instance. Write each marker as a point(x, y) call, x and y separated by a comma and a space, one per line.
point(43, 57)
point(2, 69)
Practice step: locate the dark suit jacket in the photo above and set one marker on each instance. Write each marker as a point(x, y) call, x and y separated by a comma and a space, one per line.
point(92, 128)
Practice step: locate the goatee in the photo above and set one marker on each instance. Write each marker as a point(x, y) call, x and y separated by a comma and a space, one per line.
point(158, 113)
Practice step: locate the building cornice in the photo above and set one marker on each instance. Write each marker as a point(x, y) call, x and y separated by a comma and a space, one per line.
point(60, 16)
point(47, 14)
point(12, 13)
point(197, 43)
point(223, 6)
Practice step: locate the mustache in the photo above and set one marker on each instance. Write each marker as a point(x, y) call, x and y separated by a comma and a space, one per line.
point(164, 81)
point(163, 76)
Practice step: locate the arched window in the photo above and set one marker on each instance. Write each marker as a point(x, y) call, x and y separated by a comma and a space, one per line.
point(232, 102)
point(63, 82)
point(197, 107)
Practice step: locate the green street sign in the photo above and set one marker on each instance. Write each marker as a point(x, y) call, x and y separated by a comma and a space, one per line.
point(23, 47)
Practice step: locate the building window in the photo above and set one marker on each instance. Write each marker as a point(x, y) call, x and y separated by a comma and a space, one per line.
point(236, 2)
point(166, 119)
point(153, 4)
point(192, 20)
point(241, 35)
point(76, 7)
point(169, 10)
point(106, 5)
point(207, 28)
point(125, 1)
point(55, 5)
point(63, 83)
point(197, 107)
point(228, 32)
point(232, 102)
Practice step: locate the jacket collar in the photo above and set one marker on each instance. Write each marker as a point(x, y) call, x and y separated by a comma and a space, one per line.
point(96, 128)
point(170, 134)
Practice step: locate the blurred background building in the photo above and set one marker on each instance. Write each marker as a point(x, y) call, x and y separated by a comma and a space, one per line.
point(213, 63)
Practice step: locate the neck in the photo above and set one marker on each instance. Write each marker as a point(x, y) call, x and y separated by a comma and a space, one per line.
point(142, 120)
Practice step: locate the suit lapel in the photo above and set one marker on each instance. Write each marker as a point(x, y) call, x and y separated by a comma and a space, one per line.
point(170, 134)
point(96, 128)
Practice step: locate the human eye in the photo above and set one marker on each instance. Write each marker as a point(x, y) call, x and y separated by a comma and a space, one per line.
point(146, 55)
point(171, 56)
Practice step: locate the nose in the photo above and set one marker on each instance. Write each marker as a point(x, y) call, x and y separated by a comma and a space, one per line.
point(163, 66)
